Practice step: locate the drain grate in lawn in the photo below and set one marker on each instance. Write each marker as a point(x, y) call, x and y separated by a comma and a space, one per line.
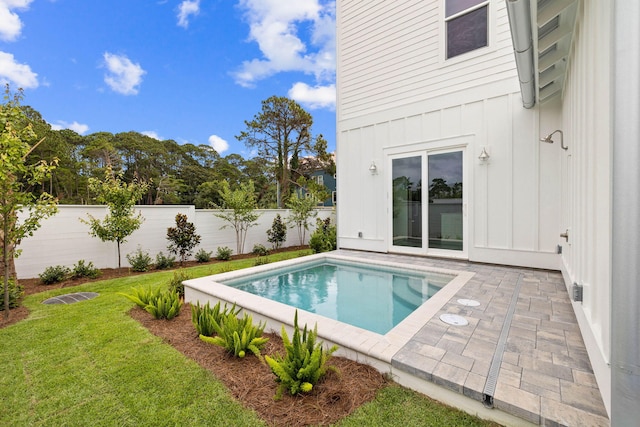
point(71, 298)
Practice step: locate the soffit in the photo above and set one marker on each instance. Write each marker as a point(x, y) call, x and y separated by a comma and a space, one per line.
point(554, 24)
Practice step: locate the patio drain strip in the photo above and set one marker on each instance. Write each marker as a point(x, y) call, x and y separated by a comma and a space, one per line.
point(496, 361)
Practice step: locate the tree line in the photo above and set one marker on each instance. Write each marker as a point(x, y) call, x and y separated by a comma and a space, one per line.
point(184, 173)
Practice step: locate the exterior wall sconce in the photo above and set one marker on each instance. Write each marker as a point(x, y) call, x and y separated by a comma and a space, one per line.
point(484, 156)
point(549, 140)
point(373, 168)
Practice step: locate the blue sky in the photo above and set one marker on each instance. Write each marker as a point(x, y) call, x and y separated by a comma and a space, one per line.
point(191, 71)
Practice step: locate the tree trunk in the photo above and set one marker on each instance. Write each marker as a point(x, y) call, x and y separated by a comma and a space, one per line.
point(7, 270)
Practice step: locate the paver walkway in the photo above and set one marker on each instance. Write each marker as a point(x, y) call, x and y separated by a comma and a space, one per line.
point(541, 368)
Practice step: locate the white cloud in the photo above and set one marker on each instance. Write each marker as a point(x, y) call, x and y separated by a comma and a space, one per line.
point(75, 126)
point(314, 97)
point(152, 134)
point(276, 25)
point(10, 24)
point(123, 75)
point(186, 9)
point(218, 144)
point(16, 73)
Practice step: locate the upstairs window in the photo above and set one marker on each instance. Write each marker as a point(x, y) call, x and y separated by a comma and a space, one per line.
point(466, 25)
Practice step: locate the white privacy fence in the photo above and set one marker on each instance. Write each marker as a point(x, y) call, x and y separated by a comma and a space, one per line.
point(64, 240)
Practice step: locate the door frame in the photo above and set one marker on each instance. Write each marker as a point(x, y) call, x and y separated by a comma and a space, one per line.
point(424, 149)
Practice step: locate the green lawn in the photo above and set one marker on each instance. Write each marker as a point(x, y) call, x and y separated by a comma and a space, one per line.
point(90, 364)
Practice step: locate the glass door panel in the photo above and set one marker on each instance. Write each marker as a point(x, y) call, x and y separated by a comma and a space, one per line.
point(407, 201)
point(445, 215)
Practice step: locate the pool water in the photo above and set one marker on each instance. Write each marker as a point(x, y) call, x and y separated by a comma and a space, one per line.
point(373, 298)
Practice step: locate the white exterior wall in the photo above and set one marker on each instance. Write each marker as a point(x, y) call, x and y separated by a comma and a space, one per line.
point(587, 123)
point(396, 93)
point(64, 240)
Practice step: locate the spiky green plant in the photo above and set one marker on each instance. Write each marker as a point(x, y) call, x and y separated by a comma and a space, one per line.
point(203, 316)
point(305, 361)
point(238, 335)
point(166, 305)
point(143, 295)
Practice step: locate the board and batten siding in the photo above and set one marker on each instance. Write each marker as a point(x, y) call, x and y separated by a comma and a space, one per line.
point(586, 182)
point(395, 93)
point(391, 54)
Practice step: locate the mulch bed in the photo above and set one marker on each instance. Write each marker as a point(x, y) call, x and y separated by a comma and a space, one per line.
point(252, 382)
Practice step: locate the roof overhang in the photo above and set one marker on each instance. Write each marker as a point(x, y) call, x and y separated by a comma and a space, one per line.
point(542, 34)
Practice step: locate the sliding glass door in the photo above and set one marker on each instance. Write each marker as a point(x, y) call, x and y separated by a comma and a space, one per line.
point(428, 219)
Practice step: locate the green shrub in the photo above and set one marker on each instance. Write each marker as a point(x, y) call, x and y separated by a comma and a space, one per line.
point(204, 316)
point(164, 262)
point(278, 232)
point(238, 335)
point(52, 275)
point(324, 238)
point(260, 250)
point(261, 260)
point(203, 256)
point(16, 291)
point(139, 260)
point(224, 254)
point(142, 296)
point(166, 305)
point(85, 270)
point(305, 361)
point(182, 237)
point(175, 284)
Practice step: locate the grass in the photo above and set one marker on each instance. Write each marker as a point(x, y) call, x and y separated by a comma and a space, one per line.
point(91, 364)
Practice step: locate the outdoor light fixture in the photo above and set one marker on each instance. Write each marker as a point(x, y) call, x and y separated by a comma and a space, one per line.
point(549, 140)
point(373, 168)
point(484, 156)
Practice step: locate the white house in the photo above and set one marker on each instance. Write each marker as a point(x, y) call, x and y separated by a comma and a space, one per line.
point(484, 130)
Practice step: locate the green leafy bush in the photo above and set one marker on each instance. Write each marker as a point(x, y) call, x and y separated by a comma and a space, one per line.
point(166, 305)
point(224, 253)
point(238, 335)
point(85, 270)
point(52, 275)
point(203, 256)
point(16, 291)
point(142, 296)
point(260, 250)
point(277, 234)
point(164, 262)
point(324, 238)
point(182, 238)
point(204, 316)
point(305, 361)
point(175, 284)
point(139, 260)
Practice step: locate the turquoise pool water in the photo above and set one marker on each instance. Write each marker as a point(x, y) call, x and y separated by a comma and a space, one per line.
point(371, 297)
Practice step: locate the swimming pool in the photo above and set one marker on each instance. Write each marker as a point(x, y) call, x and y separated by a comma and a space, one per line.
point(375, 297)
point(354, 342)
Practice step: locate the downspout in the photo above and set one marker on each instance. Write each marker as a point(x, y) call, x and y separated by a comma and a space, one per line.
point(519, 14)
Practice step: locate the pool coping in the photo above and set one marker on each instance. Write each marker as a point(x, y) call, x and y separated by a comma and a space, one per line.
point(353, 342)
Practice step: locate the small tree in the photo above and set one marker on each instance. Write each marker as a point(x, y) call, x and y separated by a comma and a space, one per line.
point(239, 210)
point(182, 237)
point(15, 178)
point(302, 211)
point(120, 199)
point(278, 232)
